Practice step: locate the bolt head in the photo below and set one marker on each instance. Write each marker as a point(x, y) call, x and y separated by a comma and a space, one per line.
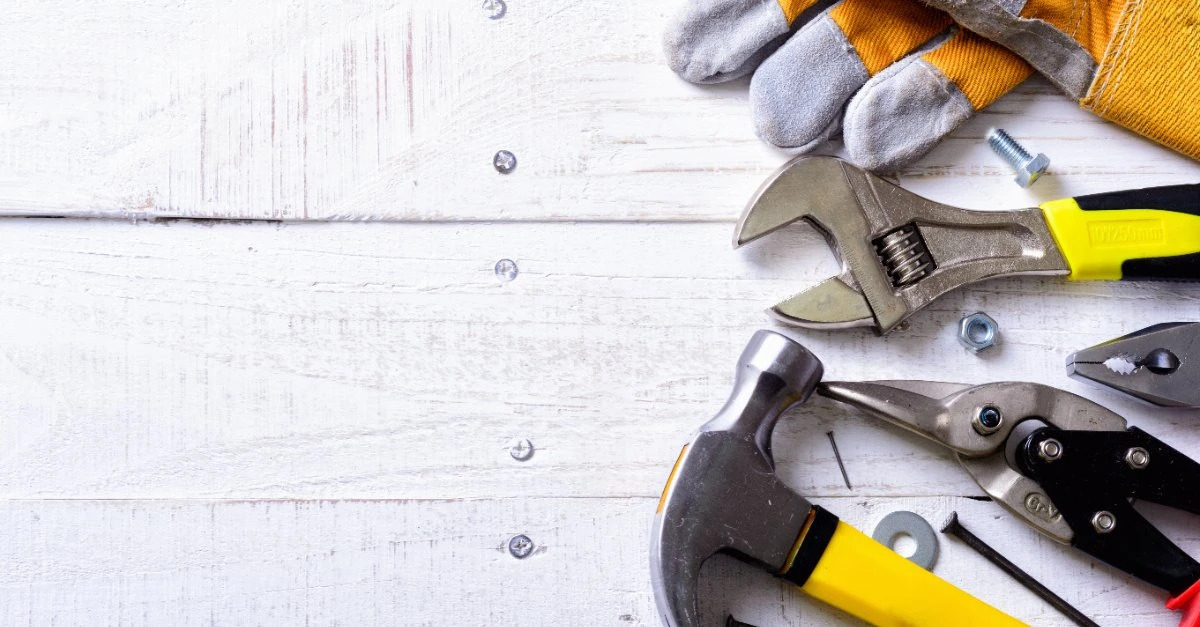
point(1104, 522)
point(1033, 170)
point(977, 332)
point(987, 421)
point(1137, 458)
point(1050, 450)
point(520, 546)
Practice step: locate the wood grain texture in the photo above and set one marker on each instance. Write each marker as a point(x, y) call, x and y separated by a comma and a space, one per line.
point(325, 109)
point(266, 424)
point(409, 562)
point(445, 562)
point(288, 423)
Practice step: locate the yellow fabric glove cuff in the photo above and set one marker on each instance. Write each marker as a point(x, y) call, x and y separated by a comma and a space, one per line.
point(1147, 80)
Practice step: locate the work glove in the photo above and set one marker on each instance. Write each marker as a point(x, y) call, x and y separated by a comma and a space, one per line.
point(1132, 62)
point(895, 76)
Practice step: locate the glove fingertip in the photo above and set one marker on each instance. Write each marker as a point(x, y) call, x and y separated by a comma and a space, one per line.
point(901, 114)
point(716, 42)
point(799, 93)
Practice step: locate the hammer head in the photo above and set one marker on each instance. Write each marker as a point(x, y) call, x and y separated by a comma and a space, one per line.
point(723, 494)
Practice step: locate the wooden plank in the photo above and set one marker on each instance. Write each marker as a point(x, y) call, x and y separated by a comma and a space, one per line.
point(302, 361)
point(413, 562)
point(324, 109)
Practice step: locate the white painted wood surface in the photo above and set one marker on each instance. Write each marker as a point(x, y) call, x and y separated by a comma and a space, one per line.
point(248, 423)
point(331, 109)
point(273, 424)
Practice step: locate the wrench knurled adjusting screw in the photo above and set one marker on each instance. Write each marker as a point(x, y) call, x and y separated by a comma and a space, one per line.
point(1028, 168)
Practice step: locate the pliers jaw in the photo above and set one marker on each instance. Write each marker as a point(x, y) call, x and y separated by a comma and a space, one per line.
point(899, 251)
point(1157, 364)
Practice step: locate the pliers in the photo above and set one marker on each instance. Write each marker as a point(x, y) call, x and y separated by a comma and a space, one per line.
point(1063, 464)
point(900, 251)
point(1159, 364)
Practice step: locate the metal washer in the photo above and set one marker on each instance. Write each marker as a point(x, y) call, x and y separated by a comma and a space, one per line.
point(919, 529)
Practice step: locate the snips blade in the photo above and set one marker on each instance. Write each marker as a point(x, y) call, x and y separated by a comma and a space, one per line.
point(1158, 364)
point(979, 423)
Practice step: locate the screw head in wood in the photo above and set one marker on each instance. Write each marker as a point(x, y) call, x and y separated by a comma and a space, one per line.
point(521, 449)
point(505, 162)
point(494, 9)
point(520, 546)
point(507, 270)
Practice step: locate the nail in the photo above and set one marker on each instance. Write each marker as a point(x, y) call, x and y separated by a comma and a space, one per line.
point(837, 455)
point(955, 528)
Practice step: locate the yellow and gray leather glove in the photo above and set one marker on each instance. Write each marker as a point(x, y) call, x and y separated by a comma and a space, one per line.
point(895, 76)
point(1133, 62)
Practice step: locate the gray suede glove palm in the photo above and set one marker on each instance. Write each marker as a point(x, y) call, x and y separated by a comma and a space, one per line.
point(894, 76)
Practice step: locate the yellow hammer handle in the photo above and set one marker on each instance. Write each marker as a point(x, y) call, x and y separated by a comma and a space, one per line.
point(874, 583)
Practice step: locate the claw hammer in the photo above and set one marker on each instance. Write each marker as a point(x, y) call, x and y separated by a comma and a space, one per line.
point(723, 496)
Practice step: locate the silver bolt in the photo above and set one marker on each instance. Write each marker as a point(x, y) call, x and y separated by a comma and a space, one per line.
point(521, 449)
point(507, 270)
point(977, 332)
point(1050, 450)
point(1028, 168)
point(1104, 522)
point(987, 421)
point(505, 162)
point(1137, 458)
point(520, 546)
point(494, 9)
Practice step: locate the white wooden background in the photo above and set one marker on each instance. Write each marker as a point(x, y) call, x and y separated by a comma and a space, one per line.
point(249, 423)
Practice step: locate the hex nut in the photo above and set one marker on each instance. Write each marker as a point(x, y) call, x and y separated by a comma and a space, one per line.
point(978, 332)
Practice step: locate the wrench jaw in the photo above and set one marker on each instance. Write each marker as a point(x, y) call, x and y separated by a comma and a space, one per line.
point(832, 304)
point(822, 192)
point(898, 251)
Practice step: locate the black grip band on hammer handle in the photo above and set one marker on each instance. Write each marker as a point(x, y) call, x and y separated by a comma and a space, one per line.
point(820, 532)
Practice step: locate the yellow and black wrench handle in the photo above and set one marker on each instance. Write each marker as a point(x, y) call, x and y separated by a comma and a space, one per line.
point(1140, 234)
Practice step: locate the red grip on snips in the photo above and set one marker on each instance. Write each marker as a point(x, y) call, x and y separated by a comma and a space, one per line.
point(1189, 604)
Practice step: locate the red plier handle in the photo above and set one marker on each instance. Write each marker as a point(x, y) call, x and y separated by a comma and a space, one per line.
point(1189, 604)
